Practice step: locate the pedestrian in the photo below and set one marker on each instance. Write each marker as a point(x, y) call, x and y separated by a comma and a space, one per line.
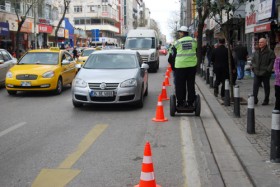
point(277, 77)
point(262, 64)
point(171, 60)
point(220, 62)
point(209, 50)
point(185, 68)
point(75, 53)
point(241, 55)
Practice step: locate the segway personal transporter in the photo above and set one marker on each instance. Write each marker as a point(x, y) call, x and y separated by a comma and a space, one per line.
point(196, 109)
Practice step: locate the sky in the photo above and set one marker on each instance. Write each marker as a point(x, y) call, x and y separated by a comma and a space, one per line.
point(161, 11)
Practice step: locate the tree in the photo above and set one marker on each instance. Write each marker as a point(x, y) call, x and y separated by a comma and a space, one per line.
point(224, 12)
point(22, 9)
point(65, 8)
point(202, 8)
point(173, 21)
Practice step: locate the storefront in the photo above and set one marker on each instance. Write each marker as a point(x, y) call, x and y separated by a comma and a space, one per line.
point(69, 39)
point(5, 41)
point(250, 23)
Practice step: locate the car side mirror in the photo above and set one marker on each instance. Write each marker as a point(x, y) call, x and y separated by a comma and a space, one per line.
point(1, 61)
point(65, 62)
point(78, 66)
point(145, 66)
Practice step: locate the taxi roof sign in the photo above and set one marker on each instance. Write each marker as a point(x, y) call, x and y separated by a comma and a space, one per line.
point(54, 48)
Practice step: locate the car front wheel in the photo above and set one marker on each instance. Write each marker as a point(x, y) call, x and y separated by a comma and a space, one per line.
point(59, 87)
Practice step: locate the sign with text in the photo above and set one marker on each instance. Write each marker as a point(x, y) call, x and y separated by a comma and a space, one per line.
point(95, 35)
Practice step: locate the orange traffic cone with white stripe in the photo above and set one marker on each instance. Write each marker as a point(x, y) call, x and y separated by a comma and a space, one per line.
point(167, 73)
point(159, 112)
point(164, 93)
point(147, 178)
point(166, 81)
point(169, 68)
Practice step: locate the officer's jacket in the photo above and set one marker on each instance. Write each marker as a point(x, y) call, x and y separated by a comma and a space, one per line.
point(186, 52)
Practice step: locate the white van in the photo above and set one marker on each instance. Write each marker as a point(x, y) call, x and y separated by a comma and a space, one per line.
point(146, 42)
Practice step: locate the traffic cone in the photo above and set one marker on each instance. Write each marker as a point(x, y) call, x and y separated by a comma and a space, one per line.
point(159, 112)
point(167, 73)
point(166, 81)
point(164, 93)
point(147, 178)
point(169, 68)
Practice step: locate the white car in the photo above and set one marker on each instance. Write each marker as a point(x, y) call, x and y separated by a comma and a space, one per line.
point(6, 62)
point(111, 76)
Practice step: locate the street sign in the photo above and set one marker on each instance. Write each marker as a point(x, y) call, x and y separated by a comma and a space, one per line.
point(95, 35)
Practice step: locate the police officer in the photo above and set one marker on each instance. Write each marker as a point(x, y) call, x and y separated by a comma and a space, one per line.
point(185, 68)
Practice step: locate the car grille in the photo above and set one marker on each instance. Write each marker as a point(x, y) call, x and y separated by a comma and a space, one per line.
point(26, 77)
point(145, 58)
point(109, 86)
point(103, 99)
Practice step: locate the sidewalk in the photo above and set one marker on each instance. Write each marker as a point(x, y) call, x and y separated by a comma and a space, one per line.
point(253, 150)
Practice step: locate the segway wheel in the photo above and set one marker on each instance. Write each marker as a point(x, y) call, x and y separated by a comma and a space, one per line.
point(172, 105)
point(197, 105)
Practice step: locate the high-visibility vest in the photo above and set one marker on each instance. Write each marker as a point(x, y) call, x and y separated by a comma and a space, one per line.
point(186, 52)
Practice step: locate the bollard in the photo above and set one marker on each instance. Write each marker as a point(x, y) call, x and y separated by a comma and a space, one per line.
point(227, 96)
point(207, 75)
point(201, 69)
point(275, 137)
point(250, 115)
point(236, 101)
point(205, 72)
point(211, 78)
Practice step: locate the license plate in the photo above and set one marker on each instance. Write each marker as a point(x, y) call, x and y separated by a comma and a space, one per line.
point(102, 93)
point(24, 83)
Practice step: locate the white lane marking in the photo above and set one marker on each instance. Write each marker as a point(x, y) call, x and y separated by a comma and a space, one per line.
point(11, 129)
point(190, 164)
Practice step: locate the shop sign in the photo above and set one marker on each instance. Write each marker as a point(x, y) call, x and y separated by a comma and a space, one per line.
point(45, 28)
point(4, 29)
point(44, 21)
point(251, 18)
point(26, 27)
point(60, 32)
point(66, 34)
point(263, 28)
point(265, 9)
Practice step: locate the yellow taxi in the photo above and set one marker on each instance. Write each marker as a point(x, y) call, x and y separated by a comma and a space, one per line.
point(85, 54)
point(41, 70)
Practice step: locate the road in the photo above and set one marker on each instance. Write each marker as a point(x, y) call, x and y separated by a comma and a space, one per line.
point(45, 141)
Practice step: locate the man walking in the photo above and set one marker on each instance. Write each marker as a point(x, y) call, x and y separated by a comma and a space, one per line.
point(262, 65)
point(185, 68)
point(220, 66)
point(241, 54)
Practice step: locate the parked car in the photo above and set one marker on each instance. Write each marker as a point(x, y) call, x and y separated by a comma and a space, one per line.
point(6, 62)
point(41, 70)
point(111, 76)
point(163, 51)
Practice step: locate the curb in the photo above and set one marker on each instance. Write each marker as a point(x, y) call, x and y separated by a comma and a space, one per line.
point(256, 169)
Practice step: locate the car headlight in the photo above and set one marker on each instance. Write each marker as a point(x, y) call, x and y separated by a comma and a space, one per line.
point(48, 74)
point(9, 74)
point(153, 57)
point(80, 83)
point(129, 83)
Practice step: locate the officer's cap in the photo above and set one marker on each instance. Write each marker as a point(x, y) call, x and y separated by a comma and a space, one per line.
point(183, 29)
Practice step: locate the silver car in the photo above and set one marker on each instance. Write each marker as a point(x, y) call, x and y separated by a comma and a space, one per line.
point(6, 62)
point(111, 76)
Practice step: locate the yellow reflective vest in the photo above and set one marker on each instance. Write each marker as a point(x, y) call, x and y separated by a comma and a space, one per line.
point(186, 52)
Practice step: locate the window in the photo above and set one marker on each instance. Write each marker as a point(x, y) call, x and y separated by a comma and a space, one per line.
point(104, 8)
point(77, 22)
point(82, 21)
point(78, 9)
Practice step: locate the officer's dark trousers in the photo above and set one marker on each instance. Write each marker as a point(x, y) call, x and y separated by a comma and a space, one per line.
point(266, 84)
point(185, 78)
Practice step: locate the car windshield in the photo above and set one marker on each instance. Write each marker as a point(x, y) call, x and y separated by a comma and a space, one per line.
point(140, 43)
point(111, 61)
point(46, 58)
point(87, 52)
